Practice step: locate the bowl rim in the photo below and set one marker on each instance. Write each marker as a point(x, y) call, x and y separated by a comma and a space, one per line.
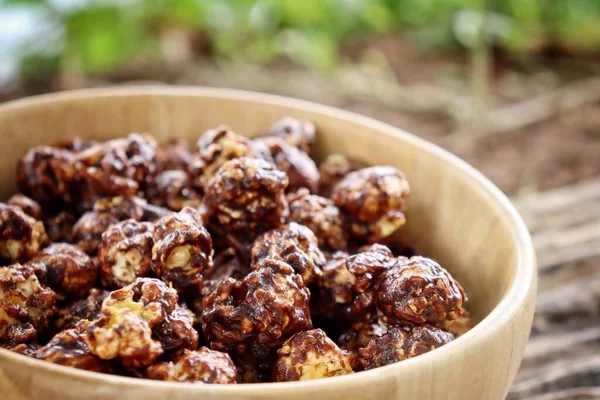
point(524, 279)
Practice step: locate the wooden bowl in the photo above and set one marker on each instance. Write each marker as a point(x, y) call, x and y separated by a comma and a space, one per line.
point(455, 216)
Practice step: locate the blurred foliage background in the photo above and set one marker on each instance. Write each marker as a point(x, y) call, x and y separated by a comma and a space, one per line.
point(99, 36)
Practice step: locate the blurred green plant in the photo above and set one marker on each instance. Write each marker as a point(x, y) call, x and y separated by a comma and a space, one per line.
point(95, 36)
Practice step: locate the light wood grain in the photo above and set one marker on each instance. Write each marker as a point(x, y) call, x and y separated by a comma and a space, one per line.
point(561, 358)
point(455, 216)
point(564, 222)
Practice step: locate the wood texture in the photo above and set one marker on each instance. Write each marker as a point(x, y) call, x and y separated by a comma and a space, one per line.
point(562, 358)
point(455, 216)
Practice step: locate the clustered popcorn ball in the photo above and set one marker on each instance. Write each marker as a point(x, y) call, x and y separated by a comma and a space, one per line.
point(242, 261)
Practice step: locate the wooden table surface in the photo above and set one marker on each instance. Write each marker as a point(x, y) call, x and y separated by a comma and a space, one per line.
point(562, 360)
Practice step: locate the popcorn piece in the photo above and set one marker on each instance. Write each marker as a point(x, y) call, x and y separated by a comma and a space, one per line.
point(174, 154)
point(182, 252)
point(419, 290)
point(373, 200)
point(25, 306)
point(361, 332)
point(69, 348)
point(173, 189)
point(66, 269)
point(125, 253)
point(117, 167)
point(88, 309)
point(215, 148)
point(199, 366)
point(88, 230)
point(294, 244)
point(254, 316)
point(47, 175)
point(246, 198)
point(321, 215)
point(301, 170)
point(310, 355)
point(333, 169)
point(21, 236)
point(350, 283)
point(399, 344)
point(296, 132)
point(27, 205)
point(139, 322)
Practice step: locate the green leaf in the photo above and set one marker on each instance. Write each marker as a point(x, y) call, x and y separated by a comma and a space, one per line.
point(35, 64)
point(525, 11)
point(102, 38)
point(303, 12)
point(263, 50)
point(378, 17)
point(183, 12)
point(313, 48)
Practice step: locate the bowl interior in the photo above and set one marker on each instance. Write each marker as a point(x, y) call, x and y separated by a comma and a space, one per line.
point(451, 216)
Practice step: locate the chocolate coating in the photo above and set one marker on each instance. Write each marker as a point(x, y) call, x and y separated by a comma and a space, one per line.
point(349, 284)
point(199, 366)
point(333, 169)
point(246, 198)
point(21, 236)
point(254, 316)
point(174, 154)
point(182, 251)
point(125, 253)
point(310, 355)
point(215, 148)
point(301, 170)
point(66, 269)
point(140, 322)
point(47, 174)
point(26, 307)
point(322, 216)
point(68, 348)
point(294, 244)
point(116, 167)
point(373, 200)
point(298, 133)
point(173, 189)
point(89, 309)
point(419, 290)
point(399, 344)
point(29, 206)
